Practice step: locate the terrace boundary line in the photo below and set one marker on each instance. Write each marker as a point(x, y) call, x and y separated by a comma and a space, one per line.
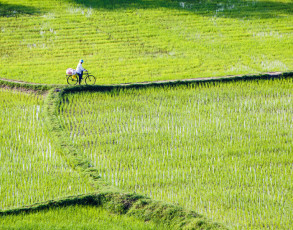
point(15, 84)
point(134, 205)
point(101, 88)
point(26, 86)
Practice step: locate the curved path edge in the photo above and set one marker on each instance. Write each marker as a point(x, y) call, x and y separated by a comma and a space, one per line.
point(45, 87)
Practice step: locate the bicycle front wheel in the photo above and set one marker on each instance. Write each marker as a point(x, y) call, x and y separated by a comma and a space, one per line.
point(72, 79)
point(90, 80)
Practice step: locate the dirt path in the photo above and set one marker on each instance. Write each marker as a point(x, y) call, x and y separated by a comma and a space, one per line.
point(204, 78)
point(273, 74)
point(22, 82)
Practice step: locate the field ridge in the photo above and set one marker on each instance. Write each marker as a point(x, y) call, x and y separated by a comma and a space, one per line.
point(128, 204)
point(44, 87)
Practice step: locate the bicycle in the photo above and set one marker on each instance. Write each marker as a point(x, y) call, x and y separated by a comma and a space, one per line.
point(72, 79)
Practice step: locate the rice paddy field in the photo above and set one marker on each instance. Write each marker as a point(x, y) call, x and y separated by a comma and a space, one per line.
point(144, 40)
point(211, 154)
point(221, 149)
point(76, 217)
point(30, 169)
point(32, 172)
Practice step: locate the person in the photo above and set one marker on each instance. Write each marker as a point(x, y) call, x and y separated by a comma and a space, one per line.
point(79, 70)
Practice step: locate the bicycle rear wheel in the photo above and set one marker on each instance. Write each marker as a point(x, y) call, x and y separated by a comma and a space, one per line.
point(72, 79)
point(90, 80)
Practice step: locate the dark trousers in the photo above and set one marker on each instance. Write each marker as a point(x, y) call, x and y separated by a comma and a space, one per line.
point(80, 76)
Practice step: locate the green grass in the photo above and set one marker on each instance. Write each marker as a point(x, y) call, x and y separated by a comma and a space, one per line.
point(222, 149)
point(144, 40)
point(30, 169)
point(73, 217)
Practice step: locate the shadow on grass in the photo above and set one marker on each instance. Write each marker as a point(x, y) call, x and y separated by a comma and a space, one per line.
point(12, 10)
point(220, 8)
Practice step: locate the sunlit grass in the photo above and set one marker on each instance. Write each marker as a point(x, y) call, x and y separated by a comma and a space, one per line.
point(74, 217)
point(224, 150)
point(30, 169)
point(133, 41)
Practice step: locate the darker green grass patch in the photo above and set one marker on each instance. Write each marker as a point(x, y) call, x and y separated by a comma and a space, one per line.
point(14, 10)
point(222, 8)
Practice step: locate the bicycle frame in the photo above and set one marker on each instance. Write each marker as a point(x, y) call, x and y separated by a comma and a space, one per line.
point(74, 78)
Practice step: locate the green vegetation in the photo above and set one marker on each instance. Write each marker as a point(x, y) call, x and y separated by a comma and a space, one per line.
point(143, 40)
point(144, 209)
point(28, 87)
point(73, 217)
point(110, 197)
point(30, 169)
point(221, 149)
point(34, 176)
point(168, 153)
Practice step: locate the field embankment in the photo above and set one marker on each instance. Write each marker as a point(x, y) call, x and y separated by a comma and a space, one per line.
point(74, 217)
point(144, 40)
point(25, 86)
point(143, 211)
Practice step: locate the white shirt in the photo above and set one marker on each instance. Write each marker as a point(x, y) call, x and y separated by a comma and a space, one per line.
point(79, 68)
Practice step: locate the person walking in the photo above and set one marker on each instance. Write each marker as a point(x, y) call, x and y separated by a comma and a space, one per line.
point(80, 69)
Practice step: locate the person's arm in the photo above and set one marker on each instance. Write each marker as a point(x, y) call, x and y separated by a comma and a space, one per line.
point(83, 69)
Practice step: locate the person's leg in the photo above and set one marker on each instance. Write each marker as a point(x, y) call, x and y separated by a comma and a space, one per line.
point(79, 77)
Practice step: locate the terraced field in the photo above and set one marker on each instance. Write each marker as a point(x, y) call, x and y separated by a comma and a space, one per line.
point(144, 40)
point(30, 169)
point(40, 184)
point(210, 153)
point(220, 149)
point(224, 150)
point(32, 172)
